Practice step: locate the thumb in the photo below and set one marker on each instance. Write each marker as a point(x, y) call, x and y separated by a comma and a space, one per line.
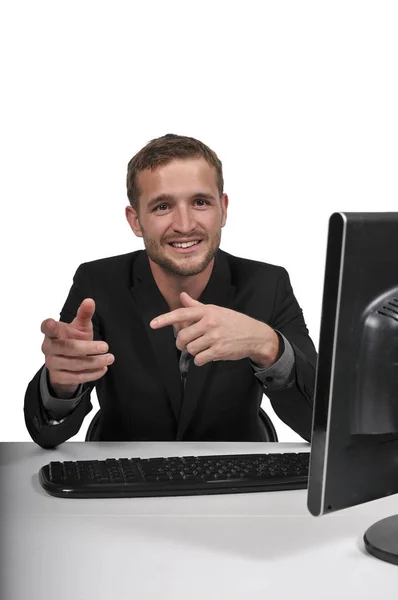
point(84, 314)
point(54, 329)
point(188, 301)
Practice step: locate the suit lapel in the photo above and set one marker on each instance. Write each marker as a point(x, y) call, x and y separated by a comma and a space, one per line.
point(219, 291)
point(151, 304)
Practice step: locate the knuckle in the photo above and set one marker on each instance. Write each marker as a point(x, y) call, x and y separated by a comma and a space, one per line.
point(107, 360)
point(101, 364)
point(182, 339)
point(211, 317)
point(191, 349)
point(215, 336)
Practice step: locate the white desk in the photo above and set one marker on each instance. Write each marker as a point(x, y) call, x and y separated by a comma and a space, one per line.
point(259, 545)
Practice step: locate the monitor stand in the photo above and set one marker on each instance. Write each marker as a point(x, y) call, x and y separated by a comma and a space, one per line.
point(381, 539)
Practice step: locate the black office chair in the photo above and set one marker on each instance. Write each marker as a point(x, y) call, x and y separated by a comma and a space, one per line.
point(270, 430)
point(264, 418)
point(92, 428)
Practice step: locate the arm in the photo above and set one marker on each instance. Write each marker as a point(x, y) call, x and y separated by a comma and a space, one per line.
point(38, 421)
point(39, 424)
point(293, 403)
point(217, 333)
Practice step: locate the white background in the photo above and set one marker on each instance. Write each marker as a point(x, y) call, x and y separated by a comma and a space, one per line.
point(299, 100)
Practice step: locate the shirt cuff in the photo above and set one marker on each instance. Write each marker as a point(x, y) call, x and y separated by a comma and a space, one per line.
point(57, 408)
point(281, 373)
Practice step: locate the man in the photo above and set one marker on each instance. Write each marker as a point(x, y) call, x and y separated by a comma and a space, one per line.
point(181, 339)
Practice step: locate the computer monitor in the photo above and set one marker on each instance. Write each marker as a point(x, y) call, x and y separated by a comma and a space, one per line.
point(354, 448)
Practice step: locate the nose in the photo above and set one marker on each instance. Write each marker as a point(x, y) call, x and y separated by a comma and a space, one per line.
point(184, 220)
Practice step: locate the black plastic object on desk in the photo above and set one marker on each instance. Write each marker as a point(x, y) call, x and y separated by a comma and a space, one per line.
point(176, 476)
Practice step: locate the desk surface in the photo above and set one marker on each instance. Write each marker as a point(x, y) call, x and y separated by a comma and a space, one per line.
point(222, 546)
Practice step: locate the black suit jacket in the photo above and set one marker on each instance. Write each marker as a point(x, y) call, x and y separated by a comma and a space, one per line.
point(141, 395)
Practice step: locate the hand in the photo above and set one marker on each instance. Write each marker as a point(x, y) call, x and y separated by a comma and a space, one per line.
point(212, 333)
point(72, 357)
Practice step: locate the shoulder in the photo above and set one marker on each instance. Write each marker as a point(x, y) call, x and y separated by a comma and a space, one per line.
point(111, 262)
point(259, 286)
point(111, 272)
point(247, 270)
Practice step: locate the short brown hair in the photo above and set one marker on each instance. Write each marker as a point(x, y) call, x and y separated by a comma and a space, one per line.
point(164, 149)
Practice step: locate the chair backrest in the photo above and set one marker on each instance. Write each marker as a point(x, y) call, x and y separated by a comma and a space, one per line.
point(270, 430)
point(271, 435)
point(92, 428)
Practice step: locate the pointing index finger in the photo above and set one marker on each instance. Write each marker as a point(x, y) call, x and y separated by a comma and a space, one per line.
point(179, 315)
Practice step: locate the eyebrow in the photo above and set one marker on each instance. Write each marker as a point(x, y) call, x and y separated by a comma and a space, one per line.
point(169, 198)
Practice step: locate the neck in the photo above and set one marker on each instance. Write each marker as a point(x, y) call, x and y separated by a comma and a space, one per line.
point(171, 285)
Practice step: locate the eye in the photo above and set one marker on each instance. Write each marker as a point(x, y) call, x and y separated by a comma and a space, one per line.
point(202, 201)
point(160, 207)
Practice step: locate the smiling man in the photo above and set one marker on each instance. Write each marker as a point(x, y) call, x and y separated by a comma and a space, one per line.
point(181, 339)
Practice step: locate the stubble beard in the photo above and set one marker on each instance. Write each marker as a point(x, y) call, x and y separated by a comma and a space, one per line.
point(187, 267)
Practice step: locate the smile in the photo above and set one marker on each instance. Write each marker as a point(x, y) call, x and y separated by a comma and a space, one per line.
point(185, 244)
point(185, 247)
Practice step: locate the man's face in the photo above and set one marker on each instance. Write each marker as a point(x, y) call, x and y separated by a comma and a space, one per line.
point(180, 204)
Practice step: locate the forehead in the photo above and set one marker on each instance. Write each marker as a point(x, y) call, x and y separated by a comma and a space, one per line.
point(179, 177)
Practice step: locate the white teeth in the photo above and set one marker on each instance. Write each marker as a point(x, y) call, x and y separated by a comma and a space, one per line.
point(184, 244)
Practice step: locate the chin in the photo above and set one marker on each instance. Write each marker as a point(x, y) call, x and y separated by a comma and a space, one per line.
point(191, 268)
point(185, 267)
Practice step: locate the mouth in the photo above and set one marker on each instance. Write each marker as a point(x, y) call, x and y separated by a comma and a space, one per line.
point(185, 247)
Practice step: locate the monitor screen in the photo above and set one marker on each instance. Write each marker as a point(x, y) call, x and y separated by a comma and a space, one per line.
point(354, 447)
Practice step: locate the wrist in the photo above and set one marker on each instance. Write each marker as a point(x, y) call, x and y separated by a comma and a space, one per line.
point(62, 391)
point(265, 353)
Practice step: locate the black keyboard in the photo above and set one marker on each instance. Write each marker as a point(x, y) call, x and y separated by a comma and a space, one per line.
point(176, 476)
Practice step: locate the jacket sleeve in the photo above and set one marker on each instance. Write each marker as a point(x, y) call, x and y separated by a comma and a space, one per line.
point(42, 428)
point(294, 403)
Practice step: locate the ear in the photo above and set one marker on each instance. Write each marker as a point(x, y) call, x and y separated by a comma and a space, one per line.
point(224, 209)
point(133, 221)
